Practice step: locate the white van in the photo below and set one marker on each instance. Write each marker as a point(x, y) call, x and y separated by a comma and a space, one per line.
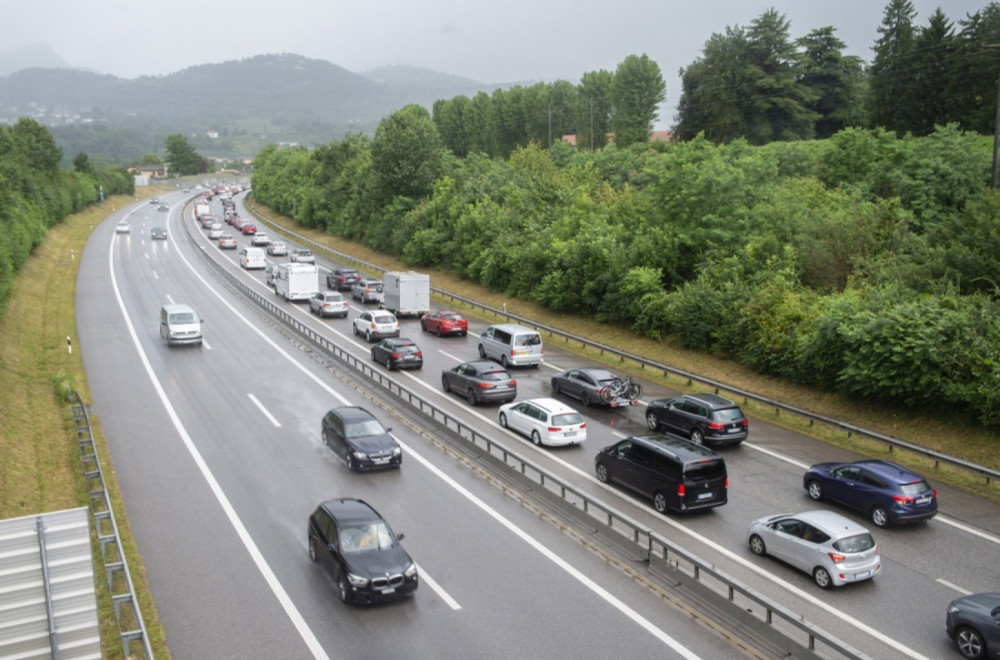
point(512, 344)
point(253, 257)
point(293, 281)
point(179, 324)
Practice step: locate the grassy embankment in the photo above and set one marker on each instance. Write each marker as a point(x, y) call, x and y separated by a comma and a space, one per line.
point(951, 434)
point(40, 465)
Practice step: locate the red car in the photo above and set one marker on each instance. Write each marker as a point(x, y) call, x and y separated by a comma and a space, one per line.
point(444, 322)
point(248, 229)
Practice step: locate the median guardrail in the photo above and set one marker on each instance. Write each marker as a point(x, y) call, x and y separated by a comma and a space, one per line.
point(989, 474)
point(795, 635)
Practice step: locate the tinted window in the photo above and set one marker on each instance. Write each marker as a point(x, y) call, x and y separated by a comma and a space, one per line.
point(914, 489)
point(496, 375)
point(501, 336)
point(728, 414)
point(527, 340)
point(708, 469)
point(858, 543)
point(363, 428)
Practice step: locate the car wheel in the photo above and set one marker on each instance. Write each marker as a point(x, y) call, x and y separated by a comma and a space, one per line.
point(660, 502)
point(651, 421)
point(313, 555)
point(444, 384)
point(355, 328)
point(555, 386)
point(471, 397)
point(822, 577)
point(345, 593)
point(352, 464)
point(503, 360)
point(503, 420)
point(880, 516)
point(585, 398)
point(388, 363)
point(697, 437)
point(815, 490)
point(536, 438)
point(970, 643)
point(757, 546)
point(368, 336)
point(482, 352)
point(437, 331)
point(602, 472)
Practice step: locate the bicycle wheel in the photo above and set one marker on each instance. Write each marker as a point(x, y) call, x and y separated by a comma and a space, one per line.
point(607, 394)
point(634, 391)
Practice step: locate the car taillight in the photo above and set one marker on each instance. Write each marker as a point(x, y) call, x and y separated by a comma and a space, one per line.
point(420, 353)
point(583, 426)
point(715, 426)
point(396, 356)
point(934, 493)
point(555, 428)
point(902, 499)
point(725, 484)
point(745, 422)
point(836, 558)
point(680, 490)
point(485, 384)
point(514, 382)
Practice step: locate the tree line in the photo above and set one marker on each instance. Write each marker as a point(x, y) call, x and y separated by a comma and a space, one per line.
point(865, 263)
point(36, 194)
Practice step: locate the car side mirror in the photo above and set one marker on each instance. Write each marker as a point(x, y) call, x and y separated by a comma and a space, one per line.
point(400, 537)
point(388, 430)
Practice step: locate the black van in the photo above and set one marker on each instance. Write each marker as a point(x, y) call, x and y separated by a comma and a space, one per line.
point(676, 473)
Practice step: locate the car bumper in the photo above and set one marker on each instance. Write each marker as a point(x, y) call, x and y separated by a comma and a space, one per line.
point(370, 464)
point(407, 364)
point(842, 575)
point(562, 441)
point(495, 394)
point(727, 438)
point(905, 517)
point(370, 594)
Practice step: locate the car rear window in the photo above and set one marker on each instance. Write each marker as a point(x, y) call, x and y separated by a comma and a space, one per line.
point(496, 375)
point(567, 419)
point(858, 543)
point(452, 317)
point(407, 348)
point(707, 469)
point(528, 340)
point(383, 319)
point(914, 489)
point(728, 414)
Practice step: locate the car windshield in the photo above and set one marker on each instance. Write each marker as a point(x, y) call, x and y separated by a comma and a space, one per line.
point(363, 428)
point(567, 419)
point(914, 489)
point(182, 317)
point(374, 536)
point(858, 543)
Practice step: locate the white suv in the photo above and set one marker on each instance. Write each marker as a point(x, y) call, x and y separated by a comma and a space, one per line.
point(545, 421)
point(259, 239)
point(376, 325)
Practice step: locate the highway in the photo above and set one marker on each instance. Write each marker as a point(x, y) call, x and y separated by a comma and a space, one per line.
point(219, 457)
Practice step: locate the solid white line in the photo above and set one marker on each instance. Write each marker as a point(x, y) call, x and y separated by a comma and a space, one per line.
point(265, 570)
point(445, 596)
point(965, 528)
point(264, 410)
point(957, 588)
point(679, 648)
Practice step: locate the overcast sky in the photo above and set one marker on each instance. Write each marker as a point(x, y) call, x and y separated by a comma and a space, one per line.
point(495, 41)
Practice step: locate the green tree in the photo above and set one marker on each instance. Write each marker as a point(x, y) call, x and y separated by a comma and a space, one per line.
point(638, 90)
point(713, 89)
point(82, 164)
point(596, 105)
point(972, 88)
point(182, 157)
point(407, 153)
point(150, 159)
point(933, 59)
point(835, 81)
point(891, 92)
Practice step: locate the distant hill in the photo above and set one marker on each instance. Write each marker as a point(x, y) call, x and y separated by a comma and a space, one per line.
point(248, 102)
point(35, 55)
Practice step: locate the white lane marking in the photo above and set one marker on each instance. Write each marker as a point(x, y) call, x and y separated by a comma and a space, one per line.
point(264, 410)
point(265, 570)
point(444, 596)
point(679, 648)
point(957, 588)
point(451, 602)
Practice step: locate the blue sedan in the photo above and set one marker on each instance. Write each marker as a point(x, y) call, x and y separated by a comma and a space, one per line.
point(886, 492)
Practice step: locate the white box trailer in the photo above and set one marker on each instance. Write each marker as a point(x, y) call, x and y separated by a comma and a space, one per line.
point(407, 293)
point(295, 281)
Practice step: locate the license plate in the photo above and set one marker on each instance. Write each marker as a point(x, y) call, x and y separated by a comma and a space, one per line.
point(923, 500)
point(705, 496)
point(862, 576)
point(570, 434)
point(380, 461)
point(387, 591)
point(733, 430)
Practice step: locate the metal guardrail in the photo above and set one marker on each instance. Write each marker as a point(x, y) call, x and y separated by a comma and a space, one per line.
point(988, 473)
point(130, 622)
point(660, 553)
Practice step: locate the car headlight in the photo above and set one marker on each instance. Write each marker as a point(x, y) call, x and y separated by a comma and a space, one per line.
point(356, 580)
point(411, 571)
point(953, 609)
point(360, 455)
point(396, 451)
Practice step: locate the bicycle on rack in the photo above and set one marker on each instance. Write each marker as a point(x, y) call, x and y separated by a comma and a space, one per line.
point(622, 388)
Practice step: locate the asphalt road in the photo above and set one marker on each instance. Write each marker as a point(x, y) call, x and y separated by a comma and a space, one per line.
point(219, 457)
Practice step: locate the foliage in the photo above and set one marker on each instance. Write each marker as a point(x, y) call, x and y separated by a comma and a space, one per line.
point(182, 158)
point(637, 91)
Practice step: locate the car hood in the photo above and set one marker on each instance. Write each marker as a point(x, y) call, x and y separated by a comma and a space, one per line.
point(375, 563)
point(984, 603)
point(825, 467)
point(373, 444)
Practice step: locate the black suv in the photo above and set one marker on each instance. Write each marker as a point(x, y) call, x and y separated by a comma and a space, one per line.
point(701, 417)
point(342, 279)
point(356, 436)
point(358, 547)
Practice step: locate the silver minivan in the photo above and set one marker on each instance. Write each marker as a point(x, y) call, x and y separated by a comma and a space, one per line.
point(511, 345)
point(179, 324)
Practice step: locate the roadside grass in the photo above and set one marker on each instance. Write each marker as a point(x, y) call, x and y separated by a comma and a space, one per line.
point(943, 431)
point(40, 465)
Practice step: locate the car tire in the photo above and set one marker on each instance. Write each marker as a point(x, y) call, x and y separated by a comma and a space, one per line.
point(536, 438)
point(444, 384)
point(503, 360)
point(470, 396)
point(697, 437)
point(437, 331)
point(352, 464)
point(355, 328)
point(585, 399)
point(503, 420)
point(368, 336)
point(651, 421)
point(970, 643)
point(602, 473)
point(555, 386)
point(822, 577)
point(880, 517)
point(757, 545)
point(482, 352)
point(343, 590)
point(660, 502)
point(388, 363)
point(313, 555)
point(815, 490)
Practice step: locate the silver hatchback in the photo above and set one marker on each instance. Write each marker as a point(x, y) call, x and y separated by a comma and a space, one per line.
point(833, 549)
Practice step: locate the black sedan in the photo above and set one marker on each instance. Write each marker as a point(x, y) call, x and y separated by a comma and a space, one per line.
point(361, 552)
point(357, 437)
point(398, 353)
point(158, 233)
point(481, 380)
point(973, 623)
point(588, 386)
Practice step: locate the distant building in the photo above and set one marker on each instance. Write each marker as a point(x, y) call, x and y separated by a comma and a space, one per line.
point(150, 171)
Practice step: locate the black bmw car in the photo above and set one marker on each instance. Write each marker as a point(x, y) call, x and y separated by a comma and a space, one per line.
point(361, 551)
point(356, 436)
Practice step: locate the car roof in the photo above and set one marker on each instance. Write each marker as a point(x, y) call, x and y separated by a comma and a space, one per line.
point(595, 372)
point(674, 445)
point(889, 470)
point(551, 405)
point(713, 401)
point(485, 365)
point(834, 524)
point(352, 413)
point(401, 341)
point(349, 510)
